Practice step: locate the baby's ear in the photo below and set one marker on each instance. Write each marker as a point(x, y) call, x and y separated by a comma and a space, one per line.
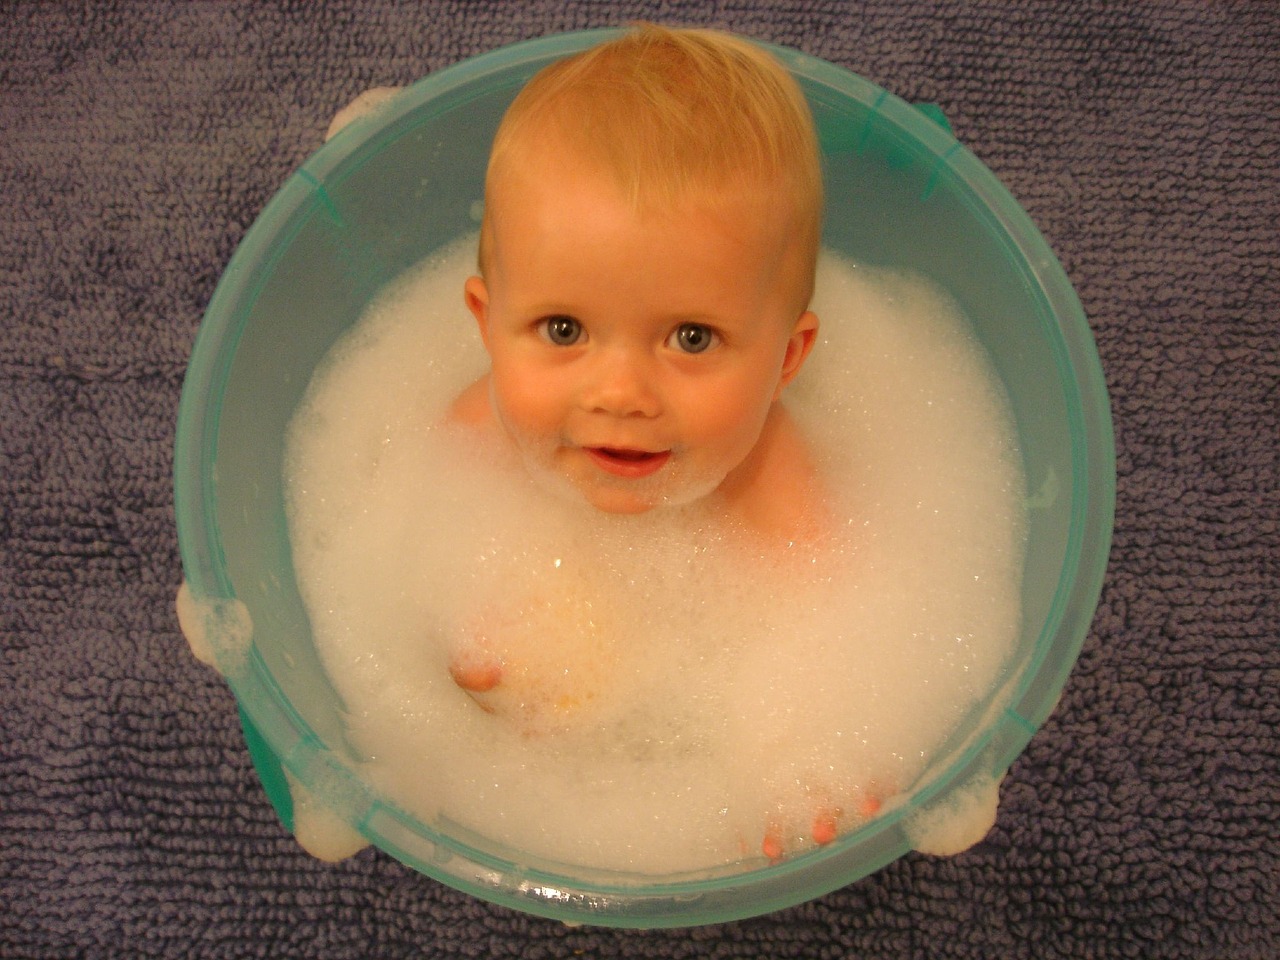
point(803, 336)
point(476, 295)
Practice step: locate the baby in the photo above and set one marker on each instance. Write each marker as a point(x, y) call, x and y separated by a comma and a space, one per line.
point(647, 255)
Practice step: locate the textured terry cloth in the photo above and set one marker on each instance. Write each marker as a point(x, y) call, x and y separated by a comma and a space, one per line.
point(139, 142)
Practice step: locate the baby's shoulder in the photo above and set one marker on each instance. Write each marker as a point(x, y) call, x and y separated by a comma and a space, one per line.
point(782, 495)
point(471, 408)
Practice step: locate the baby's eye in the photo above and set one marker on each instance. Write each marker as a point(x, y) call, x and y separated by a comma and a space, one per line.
point(561, 330)
point(692, 338)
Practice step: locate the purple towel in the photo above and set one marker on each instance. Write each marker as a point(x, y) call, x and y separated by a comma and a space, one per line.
point(140, 140)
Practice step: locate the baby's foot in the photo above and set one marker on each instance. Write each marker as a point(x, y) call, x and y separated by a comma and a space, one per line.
point(828, 821)
point(823, 829)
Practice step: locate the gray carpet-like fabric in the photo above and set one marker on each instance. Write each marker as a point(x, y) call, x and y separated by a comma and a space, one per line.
point(141, 139)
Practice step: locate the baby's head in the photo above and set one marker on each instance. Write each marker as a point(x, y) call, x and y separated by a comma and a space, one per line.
point(673, 116)
point(647, 255)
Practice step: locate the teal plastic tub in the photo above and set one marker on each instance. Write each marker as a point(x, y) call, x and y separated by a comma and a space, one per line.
point(406, 180)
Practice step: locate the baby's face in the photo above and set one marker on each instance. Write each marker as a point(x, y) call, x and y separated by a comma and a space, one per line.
point(635, 358)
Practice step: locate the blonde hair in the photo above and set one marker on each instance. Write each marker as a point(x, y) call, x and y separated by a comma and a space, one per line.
point(673, 115)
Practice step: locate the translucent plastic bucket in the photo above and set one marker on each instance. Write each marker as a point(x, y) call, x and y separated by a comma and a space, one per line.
point(406, 180)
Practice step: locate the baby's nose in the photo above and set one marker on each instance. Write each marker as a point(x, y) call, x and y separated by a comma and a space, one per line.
point(623, 384)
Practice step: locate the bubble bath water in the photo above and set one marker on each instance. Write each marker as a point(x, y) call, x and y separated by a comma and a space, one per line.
point(674, 691)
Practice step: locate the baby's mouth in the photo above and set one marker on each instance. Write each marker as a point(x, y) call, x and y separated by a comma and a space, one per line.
point(631, 464)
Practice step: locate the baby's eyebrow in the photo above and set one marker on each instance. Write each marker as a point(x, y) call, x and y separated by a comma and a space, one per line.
point(547, 308)
point(702, 319)
point(543, 314)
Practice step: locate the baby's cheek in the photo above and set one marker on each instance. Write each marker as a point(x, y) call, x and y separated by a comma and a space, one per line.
point(528, 403)
point(730, 423)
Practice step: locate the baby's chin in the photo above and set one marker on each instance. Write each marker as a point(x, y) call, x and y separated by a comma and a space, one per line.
point(642, 496)
point(628, 501)
point(675, 485)
point(671, 487)
point(613, 500)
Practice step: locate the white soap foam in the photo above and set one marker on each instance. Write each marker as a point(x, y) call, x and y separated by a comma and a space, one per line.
point(369, 102)
point(219, 631)
point(321, 831)
point(671, 697)
point(958, 821)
